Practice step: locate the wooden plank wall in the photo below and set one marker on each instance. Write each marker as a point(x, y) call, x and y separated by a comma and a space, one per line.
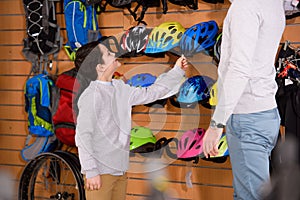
point(210, 180)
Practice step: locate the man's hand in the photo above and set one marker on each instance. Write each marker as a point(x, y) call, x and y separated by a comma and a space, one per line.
point(93, 183)
point(211, 141)
point(182, 62)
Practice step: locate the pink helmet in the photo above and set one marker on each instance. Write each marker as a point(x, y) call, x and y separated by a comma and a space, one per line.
point(190, 143)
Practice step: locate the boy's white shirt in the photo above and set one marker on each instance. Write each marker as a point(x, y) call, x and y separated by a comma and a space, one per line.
point(104, 121)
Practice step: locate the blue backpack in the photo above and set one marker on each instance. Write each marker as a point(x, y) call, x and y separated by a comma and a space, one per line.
point(81, 25)
point(38, 107)
point(37, 104)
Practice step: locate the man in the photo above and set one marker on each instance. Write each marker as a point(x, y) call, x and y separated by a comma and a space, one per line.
point(246, 100)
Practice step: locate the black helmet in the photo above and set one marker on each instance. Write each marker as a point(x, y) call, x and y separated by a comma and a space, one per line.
point(134, 40)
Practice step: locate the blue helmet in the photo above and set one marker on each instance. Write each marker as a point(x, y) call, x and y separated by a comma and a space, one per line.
point(145, 80)
point(141, 80)
point(198, 38)
point(195, 89)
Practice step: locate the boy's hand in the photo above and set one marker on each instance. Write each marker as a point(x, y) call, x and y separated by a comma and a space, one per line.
point(93, 183)
point(182, 62)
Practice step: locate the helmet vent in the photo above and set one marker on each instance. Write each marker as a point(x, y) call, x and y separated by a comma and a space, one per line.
point(168, 39)
point(156, 36)
point(220, 144)
point(172, 27)
point(185, 142)
point(179, 35)
point(193, 143)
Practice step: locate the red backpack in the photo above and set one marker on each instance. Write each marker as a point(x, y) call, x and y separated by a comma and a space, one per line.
point(64, 118)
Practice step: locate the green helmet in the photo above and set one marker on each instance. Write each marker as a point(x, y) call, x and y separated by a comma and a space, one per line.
point(142, 140)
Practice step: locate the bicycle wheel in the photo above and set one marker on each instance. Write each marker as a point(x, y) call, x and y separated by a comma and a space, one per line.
point(52, 176)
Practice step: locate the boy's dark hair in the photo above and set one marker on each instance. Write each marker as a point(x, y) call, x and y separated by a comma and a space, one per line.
point(87, 58)
point(83, 52)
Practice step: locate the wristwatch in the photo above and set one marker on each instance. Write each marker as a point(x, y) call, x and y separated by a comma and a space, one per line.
point(214, 124)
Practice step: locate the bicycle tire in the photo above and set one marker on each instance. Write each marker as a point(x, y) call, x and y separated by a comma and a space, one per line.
point(73, 157)
point(52, 176)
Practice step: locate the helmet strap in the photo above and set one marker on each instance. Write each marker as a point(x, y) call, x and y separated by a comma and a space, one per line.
point(188, 174)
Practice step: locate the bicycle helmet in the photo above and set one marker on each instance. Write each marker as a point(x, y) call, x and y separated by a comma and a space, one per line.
point(217, 48)
point(134, 40)
point(213, 98)
point(195, 89)
point(223, 151)
point(164, 37)
point(223, 147)
point(190, 143)
point(141, 80)
point(198, 38)
point(142, 140)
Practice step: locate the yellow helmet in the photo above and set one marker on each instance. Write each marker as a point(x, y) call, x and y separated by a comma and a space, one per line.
point(164, 37)
point(213, 98)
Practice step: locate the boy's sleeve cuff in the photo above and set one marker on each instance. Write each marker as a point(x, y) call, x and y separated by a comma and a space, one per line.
point(179, 70)
point(91, 173)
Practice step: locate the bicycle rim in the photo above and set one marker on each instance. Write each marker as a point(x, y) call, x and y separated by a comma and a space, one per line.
point(52, 176)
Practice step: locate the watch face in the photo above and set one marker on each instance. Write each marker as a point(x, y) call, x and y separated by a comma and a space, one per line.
point(212, 123)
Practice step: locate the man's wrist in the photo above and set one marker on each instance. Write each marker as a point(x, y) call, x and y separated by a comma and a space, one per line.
point(214, 124)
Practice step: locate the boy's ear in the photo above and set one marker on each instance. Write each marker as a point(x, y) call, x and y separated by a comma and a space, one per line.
point(99, 68)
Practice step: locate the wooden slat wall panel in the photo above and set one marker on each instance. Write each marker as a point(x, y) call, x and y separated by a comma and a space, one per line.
point(14, 67)
point(11, 157)
point(12, 112)
point(7, 8)
point(13, 127)
point(15, 171)
point(210, 180)
point(12, 22)
point(11, 52)
point(16, 144)
point(291, 33)
point(199, 175)
point(12, 82)
point(12, 98)
point(178, 190)
point(11, 37)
